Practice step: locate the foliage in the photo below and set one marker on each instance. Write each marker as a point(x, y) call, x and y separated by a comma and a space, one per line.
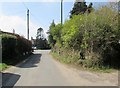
point(80, 8)
point(70, 32)
point(13, 45)
point(40, 33)
point(51, 40)
point(23, 46)
point(8, 45)
point(90, 40)
point(56, 33)
point(3, 66)
point(41, 42)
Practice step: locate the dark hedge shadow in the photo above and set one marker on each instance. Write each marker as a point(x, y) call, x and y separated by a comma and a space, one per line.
point(9, 79)
point(31, 61)
point(16, 59)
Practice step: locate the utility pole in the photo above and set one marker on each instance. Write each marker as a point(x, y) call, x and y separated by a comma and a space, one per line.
point(28, 24)
point(61, 11)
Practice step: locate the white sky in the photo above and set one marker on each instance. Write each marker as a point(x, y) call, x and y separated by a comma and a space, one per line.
point(18, 23)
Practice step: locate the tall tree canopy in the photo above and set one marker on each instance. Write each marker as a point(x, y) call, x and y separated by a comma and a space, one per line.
point(40, 33)
point(51, 41)
point(41, 41)
point(80, 8)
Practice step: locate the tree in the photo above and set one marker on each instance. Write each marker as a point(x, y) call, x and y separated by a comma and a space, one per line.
point(52, 25)
point(57, 34)
point(40, 33)
point(90, 39)
point(90, 8)
point(41, 41)
point(51, 41)
point(80, 8)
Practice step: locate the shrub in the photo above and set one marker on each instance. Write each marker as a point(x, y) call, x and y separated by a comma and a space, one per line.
point(94, 36)
point(8, 46)
point(14, 45)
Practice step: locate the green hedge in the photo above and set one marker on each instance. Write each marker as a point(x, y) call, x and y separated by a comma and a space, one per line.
point(95, 36)
point(14, 45)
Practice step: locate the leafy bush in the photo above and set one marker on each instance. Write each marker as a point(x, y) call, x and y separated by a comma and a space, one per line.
point(51, 40)
point(23, 45)
point(93, 36)
point(8, 45)
point(14, 45)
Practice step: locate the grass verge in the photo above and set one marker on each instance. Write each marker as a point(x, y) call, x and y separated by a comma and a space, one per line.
point(63, 60)
point(3, 66)
point(12, 62)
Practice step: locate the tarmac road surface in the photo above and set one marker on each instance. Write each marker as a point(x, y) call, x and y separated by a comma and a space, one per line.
point(40, 69)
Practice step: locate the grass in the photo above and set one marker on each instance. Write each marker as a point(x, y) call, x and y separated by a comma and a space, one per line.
point(3, 66)
point(102, 69)
point(12, 62)
point(59, 58)
point(63, 60)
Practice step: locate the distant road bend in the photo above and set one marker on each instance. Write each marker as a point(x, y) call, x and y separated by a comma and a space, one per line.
point(41, 70)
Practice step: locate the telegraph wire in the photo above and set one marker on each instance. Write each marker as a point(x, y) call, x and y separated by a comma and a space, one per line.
point(31, 14)
point(24, 4)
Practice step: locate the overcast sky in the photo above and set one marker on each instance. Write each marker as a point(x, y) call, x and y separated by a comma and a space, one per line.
point(13, 14)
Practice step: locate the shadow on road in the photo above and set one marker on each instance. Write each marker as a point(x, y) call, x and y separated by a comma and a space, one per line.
point(9, 79)
point(31, 61)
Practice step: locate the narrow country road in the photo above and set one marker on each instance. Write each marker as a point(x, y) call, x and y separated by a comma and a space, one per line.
point(41, 70)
